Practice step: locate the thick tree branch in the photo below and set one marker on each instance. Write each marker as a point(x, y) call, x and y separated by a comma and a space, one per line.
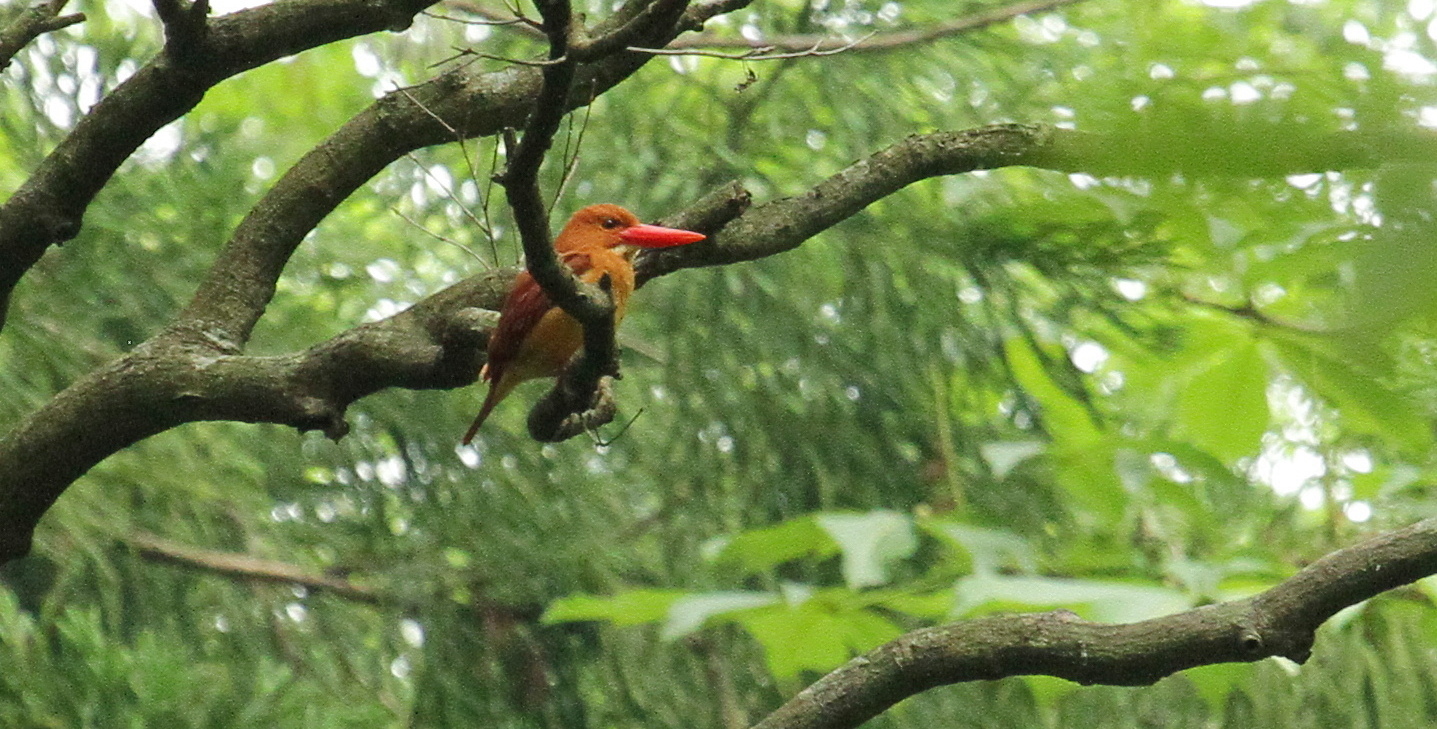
point(31, 23)
point(437, 343)
point(1279, 622)
point(48, 208)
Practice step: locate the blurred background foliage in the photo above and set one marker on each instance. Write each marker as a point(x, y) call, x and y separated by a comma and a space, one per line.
point(1014, 390)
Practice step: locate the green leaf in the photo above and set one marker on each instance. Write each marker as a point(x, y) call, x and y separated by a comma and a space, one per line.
point(816, 636)
point(870, 543)
point(1067, 420)
point(690, 612)
point(1365, 404)
point(1223, 404)
point(1002, 456)
point(626, 608)
point(1113, 602)
point(759, 550)
point(991, 550)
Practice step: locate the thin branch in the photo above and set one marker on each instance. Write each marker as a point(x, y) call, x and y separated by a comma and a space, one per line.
point(31, 23)
point(244, 566)
point(889, 40)
point(878, 41)
point(652, 15)
point(1279, 622)
point(760, 53)
point(488, 17)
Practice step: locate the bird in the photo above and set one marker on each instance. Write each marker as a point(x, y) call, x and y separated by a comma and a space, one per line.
point(534, 338)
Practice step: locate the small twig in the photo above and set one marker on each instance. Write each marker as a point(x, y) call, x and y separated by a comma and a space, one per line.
point(448, 190)
point(572, 165)
point(536, 62)
point(249, 567)
point(654, 14)
point(481, 21)
point(760, 53)
point(886, 40)
point(605, 443)
point(440, 238)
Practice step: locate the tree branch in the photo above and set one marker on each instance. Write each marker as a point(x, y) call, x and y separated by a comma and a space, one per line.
point(1250, 151)
point(1279, 622)
point(47, 209)
point(185, 27)
point(437, 343)
point(31, 23)
point(247, 567)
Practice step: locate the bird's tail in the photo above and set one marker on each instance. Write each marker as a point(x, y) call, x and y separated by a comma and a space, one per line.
point(498, 389)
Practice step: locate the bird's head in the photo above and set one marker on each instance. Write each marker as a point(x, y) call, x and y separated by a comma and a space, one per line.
point(610, 226)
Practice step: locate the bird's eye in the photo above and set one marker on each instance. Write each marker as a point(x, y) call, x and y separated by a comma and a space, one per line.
point(609, 223)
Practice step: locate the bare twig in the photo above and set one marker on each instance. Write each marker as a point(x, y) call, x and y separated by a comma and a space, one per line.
point(761, 53)
point(888, 40)
point(244, 566)
point(880, 41)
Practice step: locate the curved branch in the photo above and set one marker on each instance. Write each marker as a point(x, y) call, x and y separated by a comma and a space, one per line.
point(1250, 151)
point(48, 208)
point(31, 23)
point(1279, 622)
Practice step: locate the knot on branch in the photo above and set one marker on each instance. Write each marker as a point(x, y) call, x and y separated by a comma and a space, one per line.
point(1250, 642)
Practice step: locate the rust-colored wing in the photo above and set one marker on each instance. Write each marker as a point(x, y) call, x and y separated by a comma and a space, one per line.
point(525, 305)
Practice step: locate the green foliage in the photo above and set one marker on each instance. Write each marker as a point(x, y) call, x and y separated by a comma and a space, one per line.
point(1016, 390)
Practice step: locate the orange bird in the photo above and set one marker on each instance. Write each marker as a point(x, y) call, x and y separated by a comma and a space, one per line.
point(535, 338)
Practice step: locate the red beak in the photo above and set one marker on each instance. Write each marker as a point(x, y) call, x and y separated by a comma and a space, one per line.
point(656, 236)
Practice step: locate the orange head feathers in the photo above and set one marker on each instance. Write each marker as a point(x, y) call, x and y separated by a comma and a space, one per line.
point(536, 339)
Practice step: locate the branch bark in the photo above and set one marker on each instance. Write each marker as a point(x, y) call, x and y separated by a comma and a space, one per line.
point(1279, 622)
